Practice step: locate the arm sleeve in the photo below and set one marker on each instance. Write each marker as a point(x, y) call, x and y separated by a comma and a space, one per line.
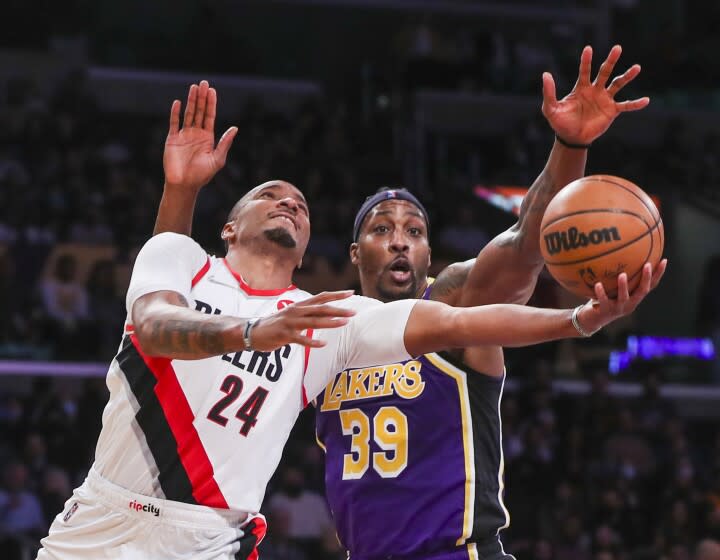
point(374, 336)
point(168, 261)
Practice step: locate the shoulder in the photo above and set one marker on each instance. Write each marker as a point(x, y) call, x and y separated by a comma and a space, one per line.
point(173, 245)
point(447, 283)
point(174, 241)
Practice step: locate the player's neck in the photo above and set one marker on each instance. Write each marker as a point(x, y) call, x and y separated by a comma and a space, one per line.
point(261, 271)
point(421, 289)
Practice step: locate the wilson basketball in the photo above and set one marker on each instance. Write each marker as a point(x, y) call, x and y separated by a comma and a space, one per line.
point(597, 228)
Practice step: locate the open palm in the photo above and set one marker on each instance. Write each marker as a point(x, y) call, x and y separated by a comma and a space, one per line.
point(590, 108)
point(191, 158)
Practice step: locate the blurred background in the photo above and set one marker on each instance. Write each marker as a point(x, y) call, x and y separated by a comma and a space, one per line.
point(612, 446)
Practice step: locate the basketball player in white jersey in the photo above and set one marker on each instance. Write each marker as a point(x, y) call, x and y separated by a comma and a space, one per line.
point(219, 357)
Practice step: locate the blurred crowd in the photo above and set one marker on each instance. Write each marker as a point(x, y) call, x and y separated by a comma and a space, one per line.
point(79, 189)
point(588, 477)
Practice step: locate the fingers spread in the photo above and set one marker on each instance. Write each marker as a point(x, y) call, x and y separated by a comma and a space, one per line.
point(549, 93)
point(585, 64)
point(622, 80)
point(202, 97)
point(224, 144)
point(623, 293)
point(608, 66)
point(174, 117)
point(324, 297)
point(307, 341)
point(658, 273)
point(210, 110)
point(633, 105)
point(190, 106)
point(600, 294)
point(324, 310)
point(312, 322)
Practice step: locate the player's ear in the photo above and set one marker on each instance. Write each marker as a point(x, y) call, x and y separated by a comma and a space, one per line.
point(429, 259)
point(354, 253)
point(227, 231)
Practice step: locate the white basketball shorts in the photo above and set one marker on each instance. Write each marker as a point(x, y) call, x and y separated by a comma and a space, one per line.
point(104, 521)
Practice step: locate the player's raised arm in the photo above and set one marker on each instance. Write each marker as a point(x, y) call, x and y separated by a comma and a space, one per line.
point(506, 269)
point(191, 158)
point(434, 326)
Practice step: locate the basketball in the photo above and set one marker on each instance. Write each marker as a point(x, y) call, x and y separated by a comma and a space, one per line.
point(597, 228)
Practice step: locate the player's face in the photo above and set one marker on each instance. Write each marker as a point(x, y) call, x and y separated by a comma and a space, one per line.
point(392, 252)
point(275, 211)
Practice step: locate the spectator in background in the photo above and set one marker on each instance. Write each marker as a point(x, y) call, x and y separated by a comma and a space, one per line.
point(107, 308)
point(708, 549)
point(90, 407)
point(90, 228)
point(307, 511)
point(54, 491)
point(35, 457)
point(277, 544)
point(65, 302)
point(20, 510)
point(708, 309)
point(464, 237)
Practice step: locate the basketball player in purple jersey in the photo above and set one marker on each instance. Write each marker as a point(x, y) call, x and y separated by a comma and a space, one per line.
point(414, 461)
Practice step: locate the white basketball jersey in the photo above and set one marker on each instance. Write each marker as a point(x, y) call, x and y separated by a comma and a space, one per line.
point(211, 431)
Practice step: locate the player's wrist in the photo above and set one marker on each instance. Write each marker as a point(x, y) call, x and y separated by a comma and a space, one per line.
point(180, 189)
point(247, 333)
point(572, 144)
point(582, 322)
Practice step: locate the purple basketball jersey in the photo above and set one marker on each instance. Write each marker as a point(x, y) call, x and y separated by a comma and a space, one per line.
point(414, 460)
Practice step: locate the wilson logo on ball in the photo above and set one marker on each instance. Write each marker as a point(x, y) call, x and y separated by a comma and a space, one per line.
point(559, 241)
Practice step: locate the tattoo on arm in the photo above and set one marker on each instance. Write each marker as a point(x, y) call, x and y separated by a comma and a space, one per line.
point(532, 210)
point(450, 279)
point(173, 335)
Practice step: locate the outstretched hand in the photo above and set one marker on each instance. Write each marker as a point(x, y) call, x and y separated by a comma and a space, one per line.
point(590, 108)
point(191, 158)
point(597, 313)
point(292, 324)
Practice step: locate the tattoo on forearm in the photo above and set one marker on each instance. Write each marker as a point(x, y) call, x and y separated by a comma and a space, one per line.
point(532, 210)
point(450, 279)
point(178, 335)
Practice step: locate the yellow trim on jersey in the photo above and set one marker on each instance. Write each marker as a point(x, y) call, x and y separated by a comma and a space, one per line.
point(501, 471)
point(320, 443)
point(472, 551)
point(460, 378)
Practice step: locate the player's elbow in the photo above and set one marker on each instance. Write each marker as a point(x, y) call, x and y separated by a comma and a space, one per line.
point(144, 325)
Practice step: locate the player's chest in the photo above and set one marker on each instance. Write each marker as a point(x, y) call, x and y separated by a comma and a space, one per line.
point(413, 383)
point(218, 386)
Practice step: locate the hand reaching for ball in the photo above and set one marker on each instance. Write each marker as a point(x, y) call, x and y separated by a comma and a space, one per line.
point(597, 313)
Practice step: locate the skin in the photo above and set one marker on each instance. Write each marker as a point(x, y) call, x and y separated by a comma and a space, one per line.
point(392, 252)
point(506, 270)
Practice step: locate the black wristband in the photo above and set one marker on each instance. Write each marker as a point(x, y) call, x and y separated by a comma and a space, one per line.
point(573, 146)
point(247, 333)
